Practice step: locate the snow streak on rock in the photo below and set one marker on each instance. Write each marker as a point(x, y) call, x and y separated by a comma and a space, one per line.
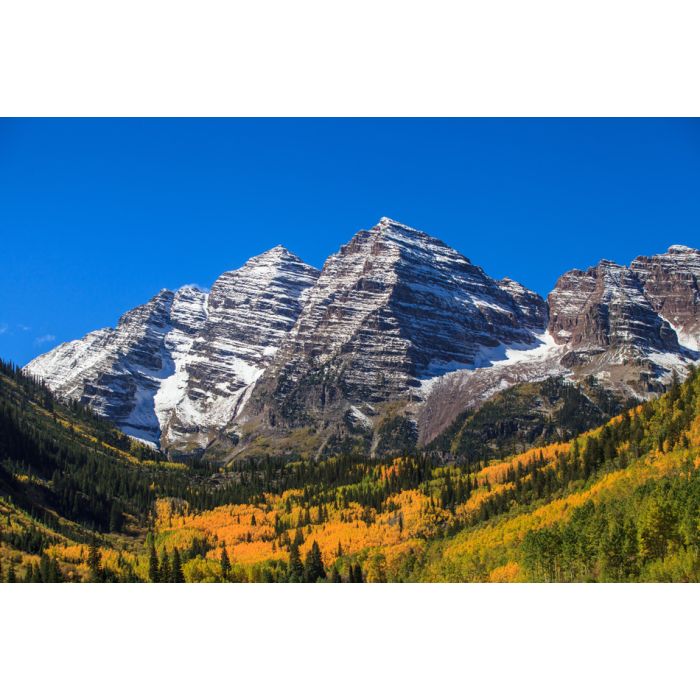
point(179, 366)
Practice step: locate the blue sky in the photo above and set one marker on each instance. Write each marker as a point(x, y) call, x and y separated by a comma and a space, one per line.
point(97, 215)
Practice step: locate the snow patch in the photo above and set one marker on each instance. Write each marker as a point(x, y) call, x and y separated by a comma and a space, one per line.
point(360, 417)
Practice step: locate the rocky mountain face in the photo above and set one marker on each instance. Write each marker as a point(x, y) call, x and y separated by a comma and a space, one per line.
point(176, 369)
point(612, 320)
point(671, 283)
point(117, 371)
point(249, 312)
point(393, 307)
point(398, 337)
point(628, 328)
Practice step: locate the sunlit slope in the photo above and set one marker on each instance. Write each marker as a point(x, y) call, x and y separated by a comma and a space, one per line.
point(80, 502)
point(618, 503)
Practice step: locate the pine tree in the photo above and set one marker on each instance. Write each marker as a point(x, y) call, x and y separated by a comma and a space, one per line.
point(358, 574)
point(116, 518)
point(177, 574)
point(44, 568)
point(313, 565)
point(153, 565)
point(225, 563)
point(295, 569)
point(55, 571)
point(11, 576)
point(164, 573)
point(94, 562)
point(335, 576)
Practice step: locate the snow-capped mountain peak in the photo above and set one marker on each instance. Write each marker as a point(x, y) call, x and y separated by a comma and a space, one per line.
point(179, 366)
point(398, 329)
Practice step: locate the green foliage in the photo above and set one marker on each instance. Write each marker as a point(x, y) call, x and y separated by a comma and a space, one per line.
point(313, 565)
point(622, 540)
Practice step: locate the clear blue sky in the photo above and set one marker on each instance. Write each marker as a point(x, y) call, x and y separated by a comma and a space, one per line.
point(97, 215)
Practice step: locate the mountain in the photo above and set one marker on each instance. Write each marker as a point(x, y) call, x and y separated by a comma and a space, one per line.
point(248, 313)
point(393, 308)
point(178, 367)
point(398, 339)
point(629, 328)
point(611, 320)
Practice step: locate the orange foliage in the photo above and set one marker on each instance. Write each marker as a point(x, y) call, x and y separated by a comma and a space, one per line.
point(508, 573)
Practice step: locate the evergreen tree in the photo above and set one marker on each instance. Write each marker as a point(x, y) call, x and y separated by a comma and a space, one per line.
point(358, 574)
point(153, 564)
point(116, 518)
point(164, 573)
point(94, 562)
point(225, 563)
point(335, 576)
point(177, 574)
point(295, 569)
point(11, 576)
point(313, 565)
point(55, 571)
point(44, 568)
point(30, 576)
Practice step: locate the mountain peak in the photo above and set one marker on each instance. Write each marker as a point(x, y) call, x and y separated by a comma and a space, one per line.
point(279, 251)
point(683, 249)
point(386, 223)
point(279, 256)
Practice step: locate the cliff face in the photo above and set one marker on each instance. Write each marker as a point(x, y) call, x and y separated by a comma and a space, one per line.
point(671, 283)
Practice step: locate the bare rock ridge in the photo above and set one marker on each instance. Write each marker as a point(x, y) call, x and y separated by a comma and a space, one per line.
point(671, 283)
point(382, 349)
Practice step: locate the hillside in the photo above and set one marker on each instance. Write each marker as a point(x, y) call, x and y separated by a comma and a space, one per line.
point(80, 501)
point(529, 415)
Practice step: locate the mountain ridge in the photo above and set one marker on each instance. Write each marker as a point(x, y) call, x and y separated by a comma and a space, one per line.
point(397, 329)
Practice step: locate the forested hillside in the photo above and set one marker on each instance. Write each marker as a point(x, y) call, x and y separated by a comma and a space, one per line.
point(81, 502)
point(529, 415)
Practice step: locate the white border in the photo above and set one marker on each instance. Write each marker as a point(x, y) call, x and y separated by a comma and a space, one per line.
point(371, 641)
point(359, 58)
